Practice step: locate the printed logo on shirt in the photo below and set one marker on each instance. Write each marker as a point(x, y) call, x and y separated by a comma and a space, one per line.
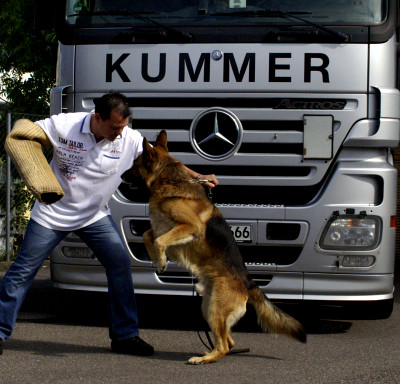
point(115, 149)
point(75, 145)
point(70, 157)
point(115, 153)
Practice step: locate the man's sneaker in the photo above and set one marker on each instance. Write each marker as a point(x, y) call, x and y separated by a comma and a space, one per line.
point(1, 346)
point(133, 346)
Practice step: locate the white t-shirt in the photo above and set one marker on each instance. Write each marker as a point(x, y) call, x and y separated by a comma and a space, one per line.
point(89, 171)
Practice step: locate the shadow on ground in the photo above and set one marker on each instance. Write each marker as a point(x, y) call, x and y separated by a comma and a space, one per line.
point(165, 312)
point(44, 303)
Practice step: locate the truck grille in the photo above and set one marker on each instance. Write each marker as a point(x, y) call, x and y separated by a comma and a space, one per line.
point(252, 255)
point(269, 166)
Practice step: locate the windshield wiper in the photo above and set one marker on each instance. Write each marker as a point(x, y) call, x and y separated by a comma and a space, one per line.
point(286, 15)
point(168, 31)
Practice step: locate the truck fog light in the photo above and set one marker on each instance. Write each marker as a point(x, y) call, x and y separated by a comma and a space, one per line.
point(357, 261)
point(77, 252)
point(355, 232)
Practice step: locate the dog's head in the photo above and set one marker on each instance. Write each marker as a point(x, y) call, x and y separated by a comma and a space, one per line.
point(151, 159)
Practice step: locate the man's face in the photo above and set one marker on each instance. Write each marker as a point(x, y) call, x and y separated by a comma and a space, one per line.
point(110, 128)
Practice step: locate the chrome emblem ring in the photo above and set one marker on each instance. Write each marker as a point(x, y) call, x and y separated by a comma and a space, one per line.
point(216, 134)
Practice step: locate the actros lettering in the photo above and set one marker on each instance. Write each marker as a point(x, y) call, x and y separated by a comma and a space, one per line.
point(279, 65)
point(310, 104)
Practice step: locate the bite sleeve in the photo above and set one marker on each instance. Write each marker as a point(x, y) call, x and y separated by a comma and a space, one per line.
point(25, 145)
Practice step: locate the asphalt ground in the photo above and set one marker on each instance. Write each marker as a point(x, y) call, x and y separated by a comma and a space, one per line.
point(62, 337)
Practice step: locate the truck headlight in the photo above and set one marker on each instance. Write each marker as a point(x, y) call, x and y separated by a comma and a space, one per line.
point(351, 232)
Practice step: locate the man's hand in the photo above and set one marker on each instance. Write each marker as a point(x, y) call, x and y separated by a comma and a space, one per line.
point(211, 182)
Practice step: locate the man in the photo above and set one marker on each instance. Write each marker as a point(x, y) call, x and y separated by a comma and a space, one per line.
point(91, 151)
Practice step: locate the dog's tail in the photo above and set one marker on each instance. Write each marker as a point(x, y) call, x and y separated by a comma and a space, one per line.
point(272, 319)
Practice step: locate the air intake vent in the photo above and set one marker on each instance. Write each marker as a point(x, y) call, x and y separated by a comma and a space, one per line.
point(283, 231)
point(185, 278)
point(252, 255)
point(242, 194)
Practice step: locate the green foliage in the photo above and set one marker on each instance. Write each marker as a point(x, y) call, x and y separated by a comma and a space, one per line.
point(28, 60)
point(21, 204)
point(23, 50)
point(22, 201)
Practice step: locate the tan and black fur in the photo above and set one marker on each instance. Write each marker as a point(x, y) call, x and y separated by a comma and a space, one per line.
point(187, 228)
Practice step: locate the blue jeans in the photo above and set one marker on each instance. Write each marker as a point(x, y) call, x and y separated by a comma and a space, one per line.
point(104, 239)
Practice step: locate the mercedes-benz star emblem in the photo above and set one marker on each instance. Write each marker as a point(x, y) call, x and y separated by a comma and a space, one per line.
point(216, 133)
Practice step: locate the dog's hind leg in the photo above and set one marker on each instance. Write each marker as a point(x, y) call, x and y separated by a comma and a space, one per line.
point(222, 309)
point(231, 343)
point(236, 314)
point(219, 329)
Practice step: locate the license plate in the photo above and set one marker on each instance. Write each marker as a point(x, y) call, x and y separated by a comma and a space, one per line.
point(242, 233)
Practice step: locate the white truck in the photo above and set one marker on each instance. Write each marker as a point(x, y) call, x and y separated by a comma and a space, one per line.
point(292, 104)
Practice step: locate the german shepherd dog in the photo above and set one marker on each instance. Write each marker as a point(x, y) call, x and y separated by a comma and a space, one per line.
point(187, 228)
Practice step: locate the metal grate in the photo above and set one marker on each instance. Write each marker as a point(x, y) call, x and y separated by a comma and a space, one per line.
point(269, 166)
point(252, 255)
point(187, 279)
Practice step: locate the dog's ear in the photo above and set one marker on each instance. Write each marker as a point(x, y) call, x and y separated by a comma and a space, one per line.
point(161, 140)
point(148, 152)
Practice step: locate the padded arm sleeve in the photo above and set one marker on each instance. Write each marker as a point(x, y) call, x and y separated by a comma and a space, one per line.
point(25, 145)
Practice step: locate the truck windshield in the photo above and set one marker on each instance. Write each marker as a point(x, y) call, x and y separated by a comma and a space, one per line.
point(92, 13)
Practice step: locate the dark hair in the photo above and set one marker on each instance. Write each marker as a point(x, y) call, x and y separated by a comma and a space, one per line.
point(112, 101)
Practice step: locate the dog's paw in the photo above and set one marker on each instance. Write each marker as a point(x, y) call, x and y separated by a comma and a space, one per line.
point(196, 360)
point(162, 266)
